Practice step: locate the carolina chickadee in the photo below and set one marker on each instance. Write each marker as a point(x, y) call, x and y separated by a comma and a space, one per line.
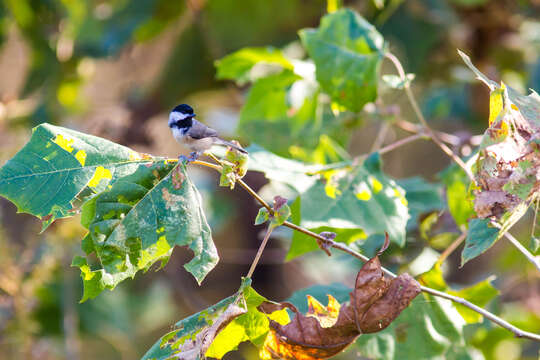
point(194, 134)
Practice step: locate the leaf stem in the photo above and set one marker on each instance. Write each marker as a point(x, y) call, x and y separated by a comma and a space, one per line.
point(422, 119)
point(343, 247)
point(260, 251)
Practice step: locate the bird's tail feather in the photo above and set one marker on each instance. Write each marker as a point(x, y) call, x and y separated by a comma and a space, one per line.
point(228, 143)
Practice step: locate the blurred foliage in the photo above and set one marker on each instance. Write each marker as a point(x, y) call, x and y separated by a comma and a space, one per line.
point(298, 105)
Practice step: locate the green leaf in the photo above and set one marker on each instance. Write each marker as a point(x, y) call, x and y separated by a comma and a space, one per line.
point(58, 166)
point(421, 196)
point(361, 197)
point(262, 216)
point(274, 167)
point(237, 66)
point(264, 117)
point(282, 212)
point(457, 194)
point(429, 328)
point(186, 330)
point(302, 243)
point(251, 325)
point(138, 221)
point(347, 51)
point(479, 294)
point(479, 238)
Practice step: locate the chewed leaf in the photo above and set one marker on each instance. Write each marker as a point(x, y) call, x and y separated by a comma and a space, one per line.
point(325, 331)
point(193, 335)
point(138, 221)
point(508, 164)
point(47, 175)
point(218, 329)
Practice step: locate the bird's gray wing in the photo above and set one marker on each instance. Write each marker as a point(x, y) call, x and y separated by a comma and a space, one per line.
point(199, 131)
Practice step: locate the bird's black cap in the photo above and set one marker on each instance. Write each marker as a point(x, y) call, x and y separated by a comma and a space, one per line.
point(184, 109)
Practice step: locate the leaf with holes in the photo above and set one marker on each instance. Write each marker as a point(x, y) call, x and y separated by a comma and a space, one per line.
point(138, 221)
point(218, 329)
point(59, 166)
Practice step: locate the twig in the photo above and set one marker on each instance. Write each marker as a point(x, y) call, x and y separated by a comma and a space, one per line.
point(343, 247)
point(260, 251)
point(453, 246)
point(415, 128)
point(381, 135)
point(401, 142)
point(535, 260)
point(358, 159)
point(421, 118)
point(494, 318)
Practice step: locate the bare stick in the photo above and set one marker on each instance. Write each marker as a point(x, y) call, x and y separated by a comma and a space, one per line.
point(423, 121)
point(260, 251)
point(453, 246)
point(381, 134)
point(343, 247)
point(535, 260)
point(400, 143)
point(494, 318)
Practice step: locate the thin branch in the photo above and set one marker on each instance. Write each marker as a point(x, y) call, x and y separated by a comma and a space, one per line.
point(255, 195)
point(401, 142)
point(453, 246)
point(535, 260)
point(381, 135)
point(494, 318)
point(260, 251)
point(415, 128)
point(358, 159)
point(343, 247)
point(422, 119)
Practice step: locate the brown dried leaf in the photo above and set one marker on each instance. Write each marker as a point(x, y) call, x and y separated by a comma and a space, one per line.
point(508, 166)
point(325, 331)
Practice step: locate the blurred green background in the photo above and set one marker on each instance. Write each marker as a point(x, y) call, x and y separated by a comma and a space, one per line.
point(116, 68)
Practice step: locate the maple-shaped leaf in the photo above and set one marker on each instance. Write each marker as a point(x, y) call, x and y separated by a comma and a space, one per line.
point(325, 331)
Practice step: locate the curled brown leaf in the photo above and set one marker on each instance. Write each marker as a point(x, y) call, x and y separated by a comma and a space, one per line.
point(325, 331)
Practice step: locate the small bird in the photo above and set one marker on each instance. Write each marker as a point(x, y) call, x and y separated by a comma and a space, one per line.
point(194, 134)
